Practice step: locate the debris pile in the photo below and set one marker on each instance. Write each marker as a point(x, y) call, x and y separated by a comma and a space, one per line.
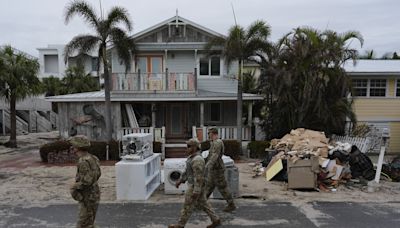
point(306, 159)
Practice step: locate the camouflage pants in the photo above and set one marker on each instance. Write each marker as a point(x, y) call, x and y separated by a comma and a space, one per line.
point(217, 179)
point(88, 209)
point(189, 206)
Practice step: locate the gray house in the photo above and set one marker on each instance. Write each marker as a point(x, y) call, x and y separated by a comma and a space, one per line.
point(174, 91)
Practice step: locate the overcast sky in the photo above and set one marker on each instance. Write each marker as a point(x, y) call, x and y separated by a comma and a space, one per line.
point(30, 24)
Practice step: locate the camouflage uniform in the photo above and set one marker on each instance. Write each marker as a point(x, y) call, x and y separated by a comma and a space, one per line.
point(194, 175)
point(215, 171)
point(86, 190)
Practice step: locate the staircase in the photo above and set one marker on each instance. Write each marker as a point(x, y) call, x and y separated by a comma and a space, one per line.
point(22, 125)
point(39, 122)
point(175, 150)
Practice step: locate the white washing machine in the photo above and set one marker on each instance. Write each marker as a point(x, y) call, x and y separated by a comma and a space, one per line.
point(173, 169)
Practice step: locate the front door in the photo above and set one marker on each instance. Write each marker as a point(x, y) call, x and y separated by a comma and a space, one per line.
point(176, 121)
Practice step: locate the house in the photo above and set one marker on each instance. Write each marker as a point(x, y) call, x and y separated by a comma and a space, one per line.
point(174, 90)
point(376, 95)
point(51, 60)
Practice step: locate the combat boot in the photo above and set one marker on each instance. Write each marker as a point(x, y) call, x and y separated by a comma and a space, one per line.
point(175, 226)
point(215, 224)
point(230, 207)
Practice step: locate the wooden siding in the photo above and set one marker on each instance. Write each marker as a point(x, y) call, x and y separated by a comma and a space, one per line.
point(394, 143)
point(180, 62)
point(95, 129)
point(368, 109)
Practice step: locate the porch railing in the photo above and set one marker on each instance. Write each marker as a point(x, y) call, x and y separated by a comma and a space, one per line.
point(224, 132)
point(167, 81)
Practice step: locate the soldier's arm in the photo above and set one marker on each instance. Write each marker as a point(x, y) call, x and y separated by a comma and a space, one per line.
point(183, 178)
point(213, 157)
point(85, 177)
point(198, 174)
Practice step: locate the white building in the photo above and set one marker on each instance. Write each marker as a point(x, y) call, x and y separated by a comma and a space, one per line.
point(51, 60)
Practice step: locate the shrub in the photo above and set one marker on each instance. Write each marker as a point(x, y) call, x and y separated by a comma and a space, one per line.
point(257, 149)
point(232, 148)
point(56, 146)
point(96, 148)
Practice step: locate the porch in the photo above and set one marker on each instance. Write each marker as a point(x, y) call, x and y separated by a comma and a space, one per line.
point(155, 82)
point(159, 134)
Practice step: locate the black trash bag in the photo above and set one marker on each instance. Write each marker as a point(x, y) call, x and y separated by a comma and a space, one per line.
point(342, 156)
point(360, 164)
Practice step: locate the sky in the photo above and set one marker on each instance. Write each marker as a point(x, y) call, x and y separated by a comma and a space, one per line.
point(31, 24)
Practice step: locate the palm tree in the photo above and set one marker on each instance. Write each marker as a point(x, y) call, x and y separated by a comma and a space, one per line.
point(107, 33)
point(18, 80)
point(308, 84)
point(240, 45)
point(76, 80)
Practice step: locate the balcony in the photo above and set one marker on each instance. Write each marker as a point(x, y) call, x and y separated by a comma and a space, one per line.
point(154, 82)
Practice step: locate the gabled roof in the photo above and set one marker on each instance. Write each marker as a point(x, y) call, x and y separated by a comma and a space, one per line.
point(173, 20)
point(373, 67)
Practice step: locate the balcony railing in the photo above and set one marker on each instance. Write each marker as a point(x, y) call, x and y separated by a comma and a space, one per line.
point(167, 81)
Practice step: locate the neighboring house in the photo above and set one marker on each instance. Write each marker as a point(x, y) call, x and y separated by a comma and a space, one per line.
point(376, 95)
point(33, 114)
point(174, 90)
point(52, 62)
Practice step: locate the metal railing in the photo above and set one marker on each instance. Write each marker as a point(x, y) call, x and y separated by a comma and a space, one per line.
point(167, 81)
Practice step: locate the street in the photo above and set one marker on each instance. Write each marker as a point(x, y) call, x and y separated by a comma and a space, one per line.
point(251, 213)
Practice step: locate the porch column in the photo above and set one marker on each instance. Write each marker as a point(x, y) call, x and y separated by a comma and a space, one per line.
point(250, 113)
point(165, 81)
point(153, 114)
point(201, 114)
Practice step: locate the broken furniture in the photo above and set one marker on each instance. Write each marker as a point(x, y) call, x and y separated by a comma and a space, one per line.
point(302, 174)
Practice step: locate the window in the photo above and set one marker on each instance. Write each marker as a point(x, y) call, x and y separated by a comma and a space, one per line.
point(369, 87)
point(360, 87)
point(377, 88)
point(398, 88)
point(51, 63)
point(95, 63)
point(210, 66)
point(213, 111)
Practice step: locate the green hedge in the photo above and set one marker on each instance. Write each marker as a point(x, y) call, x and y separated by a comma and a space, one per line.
point(232, 148)
point(53, 147)
point(257, 149)
point(96, 148)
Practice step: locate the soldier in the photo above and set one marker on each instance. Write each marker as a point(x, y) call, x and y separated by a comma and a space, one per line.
point(85, 189)
point(195, 194)
point(215, 170)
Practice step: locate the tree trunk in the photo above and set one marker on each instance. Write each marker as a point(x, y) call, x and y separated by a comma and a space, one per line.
point(107, 88)
point(13, 123)
point(239, 107)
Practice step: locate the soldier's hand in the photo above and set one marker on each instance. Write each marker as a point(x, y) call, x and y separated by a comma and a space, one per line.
point(195, 196)
point(177, 183)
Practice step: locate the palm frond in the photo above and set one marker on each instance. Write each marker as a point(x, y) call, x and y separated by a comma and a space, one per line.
point(117, 15)
point(83, 9)
point(81, 43)
point(124, 45)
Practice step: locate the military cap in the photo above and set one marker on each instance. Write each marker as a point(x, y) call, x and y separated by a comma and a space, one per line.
point(193, 142)
point(79, 141)
point(213, 130)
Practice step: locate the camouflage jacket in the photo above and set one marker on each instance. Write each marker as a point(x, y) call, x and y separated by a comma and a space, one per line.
point(88, 172)
point(214, 159)
point(194, 173)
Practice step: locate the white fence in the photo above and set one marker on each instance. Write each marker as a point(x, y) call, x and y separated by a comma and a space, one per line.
point(363, 144)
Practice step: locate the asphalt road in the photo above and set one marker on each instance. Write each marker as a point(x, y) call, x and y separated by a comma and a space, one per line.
point(251, 213)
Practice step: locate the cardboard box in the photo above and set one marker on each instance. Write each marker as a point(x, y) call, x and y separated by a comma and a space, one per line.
point(303, 173)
